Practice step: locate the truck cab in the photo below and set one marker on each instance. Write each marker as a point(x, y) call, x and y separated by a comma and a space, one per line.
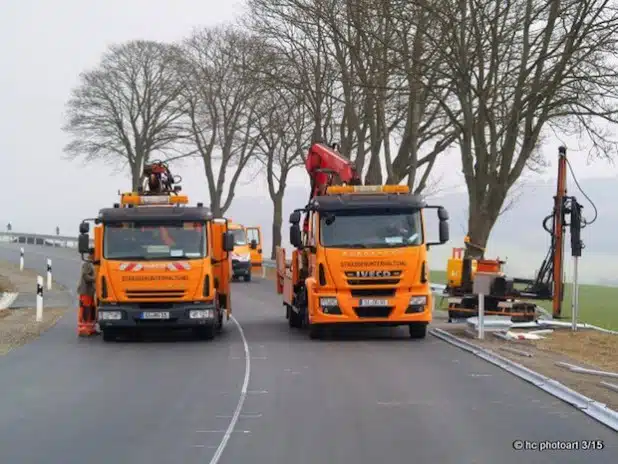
point(159, 264)
point(254, 235)
point(241, 256)
point(363, 260)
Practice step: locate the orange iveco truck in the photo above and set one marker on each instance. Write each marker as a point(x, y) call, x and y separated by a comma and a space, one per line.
point(159, 264)
point(362, 257)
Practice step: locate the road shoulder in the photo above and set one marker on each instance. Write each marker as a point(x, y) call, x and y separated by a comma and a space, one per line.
point(542, 356)
point(18, 326)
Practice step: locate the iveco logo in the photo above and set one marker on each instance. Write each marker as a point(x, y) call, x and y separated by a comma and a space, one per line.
point(373, 273)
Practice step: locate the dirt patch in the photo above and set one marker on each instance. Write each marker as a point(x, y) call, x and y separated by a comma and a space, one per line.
point(587, 349)
point(19, 326)
point(6, 285)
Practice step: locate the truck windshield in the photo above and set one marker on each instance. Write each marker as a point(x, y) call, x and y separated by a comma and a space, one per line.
point(240, 238)
point(347, 229)
point(160, 241)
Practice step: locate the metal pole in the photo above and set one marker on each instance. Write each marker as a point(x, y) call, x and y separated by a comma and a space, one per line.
point(575, 295)
point(481, 318)
point(21, 259)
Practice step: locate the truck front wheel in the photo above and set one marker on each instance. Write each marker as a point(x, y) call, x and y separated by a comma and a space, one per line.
point(109, 335)
point(316, 331)
point(418, 330)
point(206, 333)
point(295, 320)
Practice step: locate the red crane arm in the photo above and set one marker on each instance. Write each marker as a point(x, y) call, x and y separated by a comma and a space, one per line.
point(323, 163)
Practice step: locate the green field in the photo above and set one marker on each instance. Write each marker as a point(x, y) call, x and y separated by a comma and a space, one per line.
point(597, 305)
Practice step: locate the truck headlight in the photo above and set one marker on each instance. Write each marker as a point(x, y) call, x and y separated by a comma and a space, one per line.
point(418, 300)
point(110, 315)
point(326, 302)
point(201, 314)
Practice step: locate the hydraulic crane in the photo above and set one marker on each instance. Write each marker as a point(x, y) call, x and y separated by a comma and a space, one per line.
point(506, 294)
point(327, 167)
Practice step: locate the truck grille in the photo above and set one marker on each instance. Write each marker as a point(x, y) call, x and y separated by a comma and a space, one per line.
point(372, 292)
point(373, 311)
point(145, 294)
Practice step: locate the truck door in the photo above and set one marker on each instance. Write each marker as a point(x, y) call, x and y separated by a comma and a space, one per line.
point(255, 233)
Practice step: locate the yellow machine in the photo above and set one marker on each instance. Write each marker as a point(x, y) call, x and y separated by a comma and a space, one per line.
point(160, 264)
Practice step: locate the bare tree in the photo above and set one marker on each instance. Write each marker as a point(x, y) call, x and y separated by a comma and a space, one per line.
point(300, 61)
point(517, 68)
point(221, 97)
point(285, 131)
point(127, 108)
point(378, 101)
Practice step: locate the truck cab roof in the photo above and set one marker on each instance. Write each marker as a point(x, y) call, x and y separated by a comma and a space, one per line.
point(366, 202)
point(156, 214)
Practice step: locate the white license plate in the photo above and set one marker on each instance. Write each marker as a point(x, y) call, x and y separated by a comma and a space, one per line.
point(156, 315)
point(372, 302)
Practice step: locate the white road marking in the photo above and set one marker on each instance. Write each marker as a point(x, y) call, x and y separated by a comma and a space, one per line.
point(241, 400)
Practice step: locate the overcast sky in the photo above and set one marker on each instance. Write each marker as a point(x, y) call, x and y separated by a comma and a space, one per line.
point(46, 44)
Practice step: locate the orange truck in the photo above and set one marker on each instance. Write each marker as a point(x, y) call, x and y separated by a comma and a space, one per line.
point(247, 254)
point(159, 264)
point(362, 259)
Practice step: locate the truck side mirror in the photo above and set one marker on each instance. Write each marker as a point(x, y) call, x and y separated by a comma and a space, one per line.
point(83, 243)
point(295, 237)
point(228, 241)
point(442, 214)
point(295, 217)
point(443, 231)
point(253, 244)
point(84, 228)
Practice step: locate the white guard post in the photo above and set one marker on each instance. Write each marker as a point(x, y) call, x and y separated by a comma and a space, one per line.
point(481, 329)
point(49, 274)
point(21, 259)
point(575, 296)
point(481, 287)
point(39, 298)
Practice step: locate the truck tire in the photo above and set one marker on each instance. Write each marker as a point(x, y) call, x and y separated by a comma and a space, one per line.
point(248, 278)
point(418, 330)
point(206, 333)
point(316, 332)
point(109, 335)
point(295, 320)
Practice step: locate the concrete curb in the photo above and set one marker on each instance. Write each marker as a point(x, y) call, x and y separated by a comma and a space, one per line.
point(7, 299)
point(588, 406)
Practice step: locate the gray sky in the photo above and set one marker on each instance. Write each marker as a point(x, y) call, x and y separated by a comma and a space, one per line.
point(46, 45)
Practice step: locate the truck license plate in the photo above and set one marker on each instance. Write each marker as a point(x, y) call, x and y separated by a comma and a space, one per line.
point(156, 315)
point(372, 302)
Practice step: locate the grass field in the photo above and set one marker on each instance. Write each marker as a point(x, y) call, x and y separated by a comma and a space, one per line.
point(597, 305)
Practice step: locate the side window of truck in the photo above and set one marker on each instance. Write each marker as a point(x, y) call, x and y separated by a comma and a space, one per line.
point(313, 227)
point(252, 234)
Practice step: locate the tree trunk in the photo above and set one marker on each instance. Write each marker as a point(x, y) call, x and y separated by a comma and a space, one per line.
point(136, 174)
point(215, 208)
point(482, 217)
point(277, 222)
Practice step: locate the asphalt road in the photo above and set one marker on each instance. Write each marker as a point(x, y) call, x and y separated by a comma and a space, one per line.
point(363, 397)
